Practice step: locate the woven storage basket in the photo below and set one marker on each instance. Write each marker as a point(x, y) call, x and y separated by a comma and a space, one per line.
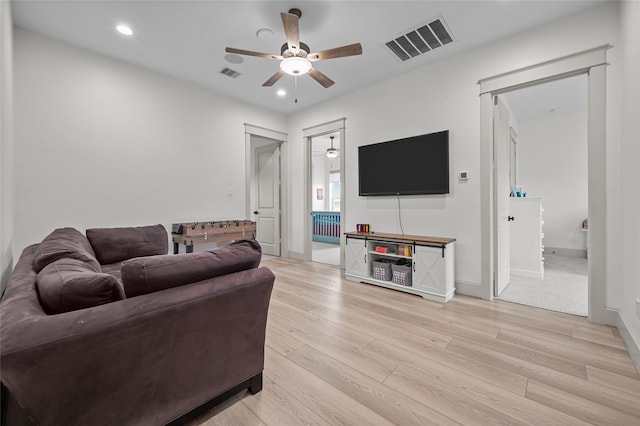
point(401, 274)
point(381, 271)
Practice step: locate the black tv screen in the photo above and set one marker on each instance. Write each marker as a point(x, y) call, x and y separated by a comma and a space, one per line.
point(409, 166)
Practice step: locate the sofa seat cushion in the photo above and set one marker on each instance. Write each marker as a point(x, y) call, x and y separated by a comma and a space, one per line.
point(148, 274)
point(64, 243)
point(71, 284)
point(113, 245)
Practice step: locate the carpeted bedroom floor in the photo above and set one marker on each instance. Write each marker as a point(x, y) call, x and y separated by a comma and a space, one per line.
point(564, 288)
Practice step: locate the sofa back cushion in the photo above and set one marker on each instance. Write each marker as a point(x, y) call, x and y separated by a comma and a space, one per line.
point(71, 284)
point(64, 243)
point(113, 245)
point(148, 274)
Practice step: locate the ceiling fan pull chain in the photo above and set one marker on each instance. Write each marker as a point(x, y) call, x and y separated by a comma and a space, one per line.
point(295, 90)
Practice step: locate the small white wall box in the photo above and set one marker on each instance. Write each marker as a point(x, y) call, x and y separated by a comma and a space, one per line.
point(463, 175)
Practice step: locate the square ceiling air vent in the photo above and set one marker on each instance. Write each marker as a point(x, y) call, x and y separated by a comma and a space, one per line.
point(421, 40)
point(229, 72)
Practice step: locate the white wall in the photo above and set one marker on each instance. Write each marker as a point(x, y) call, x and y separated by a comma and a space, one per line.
point(100, 142)
point(319, 178)
point(630, 158)
point(6, 143)
point(437, 97)
point(321, 167)
point(552, 164)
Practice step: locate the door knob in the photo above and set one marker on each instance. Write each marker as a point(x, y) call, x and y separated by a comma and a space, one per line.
point(255, 212)
point(510, 218)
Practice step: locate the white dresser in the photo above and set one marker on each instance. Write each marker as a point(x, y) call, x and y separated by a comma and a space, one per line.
point(526, 236)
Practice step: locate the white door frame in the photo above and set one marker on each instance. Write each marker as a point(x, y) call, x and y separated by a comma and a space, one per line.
point(593, 63)
point(280, 137)
point(335, 126)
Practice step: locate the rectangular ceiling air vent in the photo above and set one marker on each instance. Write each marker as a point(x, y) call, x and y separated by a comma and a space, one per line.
point(421, 40)
point(229, 72)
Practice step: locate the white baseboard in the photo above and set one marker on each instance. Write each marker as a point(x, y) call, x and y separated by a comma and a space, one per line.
point(469, 289)
point(295, 255)
point(632, 345)
point(566, 252)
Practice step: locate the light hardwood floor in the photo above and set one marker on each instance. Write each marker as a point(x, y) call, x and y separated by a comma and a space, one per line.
point(345, 353)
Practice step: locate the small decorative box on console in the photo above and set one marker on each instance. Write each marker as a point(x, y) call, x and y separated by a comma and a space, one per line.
point(220, 232)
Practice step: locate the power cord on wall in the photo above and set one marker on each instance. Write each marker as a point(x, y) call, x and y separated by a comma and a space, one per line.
point(400, 214)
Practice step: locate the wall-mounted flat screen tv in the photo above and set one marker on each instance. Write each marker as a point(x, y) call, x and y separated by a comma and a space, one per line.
point(408, 166)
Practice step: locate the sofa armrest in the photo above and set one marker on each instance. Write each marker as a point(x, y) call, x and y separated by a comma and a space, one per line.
point(147, 359)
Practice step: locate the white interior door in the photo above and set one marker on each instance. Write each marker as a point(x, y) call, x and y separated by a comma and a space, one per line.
point(501, 137)
point(267, 198)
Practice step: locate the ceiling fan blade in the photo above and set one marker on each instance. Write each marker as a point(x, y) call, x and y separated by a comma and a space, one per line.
point(291, 31)
point(320, 78)
point(338, 52)
point(251, 53)
point(274, 78)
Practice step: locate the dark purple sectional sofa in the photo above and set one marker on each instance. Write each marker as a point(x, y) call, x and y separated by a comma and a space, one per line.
point(109, 329)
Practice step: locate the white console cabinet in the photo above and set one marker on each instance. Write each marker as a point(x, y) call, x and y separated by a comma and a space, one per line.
point(419, 265)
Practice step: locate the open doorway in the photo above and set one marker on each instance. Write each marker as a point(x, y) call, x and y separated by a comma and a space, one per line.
point(547, 209)
point(593, 64)
point(318, 138)
point(326, 198)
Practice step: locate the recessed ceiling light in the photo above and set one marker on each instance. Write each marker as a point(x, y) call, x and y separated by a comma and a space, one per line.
point(124, 29)
point(233, 58)
point(281, 92)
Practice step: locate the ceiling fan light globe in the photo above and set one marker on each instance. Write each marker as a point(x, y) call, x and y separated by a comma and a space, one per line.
point(295, 65)
point(332, 152)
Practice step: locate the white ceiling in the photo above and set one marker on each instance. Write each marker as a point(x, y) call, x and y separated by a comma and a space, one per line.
point(186, 39)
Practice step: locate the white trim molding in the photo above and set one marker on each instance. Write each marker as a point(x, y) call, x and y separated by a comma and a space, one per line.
point(629, 342)
point(324, 128)
point(264, 132)
point(469, 289)
point(555, 69)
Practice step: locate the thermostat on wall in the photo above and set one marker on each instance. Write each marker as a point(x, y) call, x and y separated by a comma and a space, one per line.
point(463, 175)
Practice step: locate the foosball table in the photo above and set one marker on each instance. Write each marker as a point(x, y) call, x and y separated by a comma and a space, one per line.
point(220, 232)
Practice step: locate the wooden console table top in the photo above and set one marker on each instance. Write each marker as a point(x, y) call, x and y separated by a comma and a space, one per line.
point(401, 237)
